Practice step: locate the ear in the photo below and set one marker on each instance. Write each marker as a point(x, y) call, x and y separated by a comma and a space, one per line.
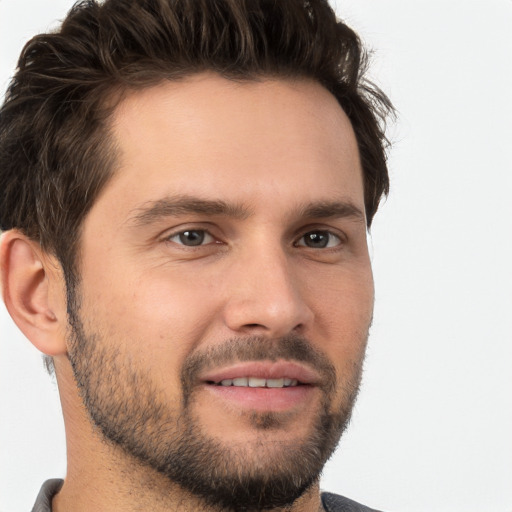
point(33, 290)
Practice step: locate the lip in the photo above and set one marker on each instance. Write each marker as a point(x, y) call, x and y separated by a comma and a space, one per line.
point(264, 370)
point(265, 399)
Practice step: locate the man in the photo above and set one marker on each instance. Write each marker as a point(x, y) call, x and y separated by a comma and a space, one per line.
point(186, 189)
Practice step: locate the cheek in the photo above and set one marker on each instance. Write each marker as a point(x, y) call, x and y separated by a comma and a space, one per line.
point(343, 307)
point(342, 296)
point(153, 320)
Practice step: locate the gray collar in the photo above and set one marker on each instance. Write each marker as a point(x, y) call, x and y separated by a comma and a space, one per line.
point(331, 502)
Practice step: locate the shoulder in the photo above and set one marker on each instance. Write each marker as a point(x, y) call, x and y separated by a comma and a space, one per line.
point(44, 499)
point(336, 503)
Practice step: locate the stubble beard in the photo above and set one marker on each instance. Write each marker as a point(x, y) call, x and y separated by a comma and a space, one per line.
point(131, 413)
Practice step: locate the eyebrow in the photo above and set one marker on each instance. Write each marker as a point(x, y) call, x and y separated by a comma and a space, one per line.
point(152, 211)
point(333, 209)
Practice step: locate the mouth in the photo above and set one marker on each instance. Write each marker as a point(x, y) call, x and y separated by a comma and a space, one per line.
point(263, 386)
point(258, 382)
point(263, 374)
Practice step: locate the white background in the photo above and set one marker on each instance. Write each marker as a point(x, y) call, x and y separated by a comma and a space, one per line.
point(432, 431)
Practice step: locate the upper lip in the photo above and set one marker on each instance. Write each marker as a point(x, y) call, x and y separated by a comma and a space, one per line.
point(264, 370)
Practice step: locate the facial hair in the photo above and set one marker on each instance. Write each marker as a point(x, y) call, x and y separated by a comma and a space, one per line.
point(125, 404)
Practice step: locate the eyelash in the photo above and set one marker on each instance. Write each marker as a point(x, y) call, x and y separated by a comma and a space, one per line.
point(205, 234)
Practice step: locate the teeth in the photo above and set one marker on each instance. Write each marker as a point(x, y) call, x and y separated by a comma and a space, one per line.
point(275, 383)
point(256, 382)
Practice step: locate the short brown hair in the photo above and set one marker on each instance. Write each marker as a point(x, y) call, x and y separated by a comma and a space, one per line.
point(55, 149)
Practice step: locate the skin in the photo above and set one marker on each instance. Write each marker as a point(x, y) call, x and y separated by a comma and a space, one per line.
point(269, 149)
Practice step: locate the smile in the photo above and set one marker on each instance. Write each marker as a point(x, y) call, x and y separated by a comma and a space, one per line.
point(262, 374)
point(263, 386)
point(257, 382)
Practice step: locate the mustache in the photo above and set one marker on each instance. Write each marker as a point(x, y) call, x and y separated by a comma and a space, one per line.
point(258, 348)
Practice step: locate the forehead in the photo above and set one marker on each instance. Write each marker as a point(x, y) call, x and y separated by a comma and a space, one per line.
point(246, 140)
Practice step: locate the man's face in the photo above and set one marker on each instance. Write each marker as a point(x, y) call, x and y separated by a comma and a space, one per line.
point(226, 290)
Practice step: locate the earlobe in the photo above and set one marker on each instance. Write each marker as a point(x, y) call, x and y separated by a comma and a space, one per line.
point(33, 292)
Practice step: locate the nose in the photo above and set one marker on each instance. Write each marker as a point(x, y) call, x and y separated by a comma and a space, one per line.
point(266, 296)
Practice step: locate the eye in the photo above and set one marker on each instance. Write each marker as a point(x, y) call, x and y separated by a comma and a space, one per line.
point(192, 237)
point(319, 240)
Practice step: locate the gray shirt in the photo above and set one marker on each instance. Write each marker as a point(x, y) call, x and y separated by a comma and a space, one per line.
point(331, 502)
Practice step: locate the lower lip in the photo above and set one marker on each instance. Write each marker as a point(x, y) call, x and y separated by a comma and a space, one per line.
point(263, 399)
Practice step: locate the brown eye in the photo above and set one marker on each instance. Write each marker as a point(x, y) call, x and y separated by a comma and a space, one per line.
point(319, 240)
